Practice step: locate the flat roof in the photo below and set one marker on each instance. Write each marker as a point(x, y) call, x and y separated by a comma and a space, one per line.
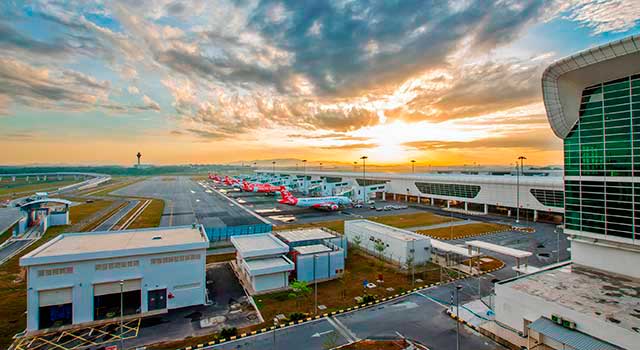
point(313, 249)
point(571, 337)
point(451, 248)
point(309, 234)
point(108, 244)
point(258, 245)
point(393, 232)
point(605, 296)
point(269, 265)
point(516, 253)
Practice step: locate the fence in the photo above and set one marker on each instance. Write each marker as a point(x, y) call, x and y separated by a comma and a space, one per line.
point(216, 234)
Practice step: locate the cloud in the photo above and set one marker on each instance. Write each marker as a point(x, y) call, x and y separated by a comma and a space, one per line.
point(602, 16)
point(329, 136)
point(351, 146)
point(150, 104)
point(519, 140)
point(133, 90)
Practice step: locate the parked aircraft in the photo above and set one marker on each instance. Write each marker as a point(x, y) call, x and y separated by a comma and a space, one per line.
point(261, 188)
point(331, 203)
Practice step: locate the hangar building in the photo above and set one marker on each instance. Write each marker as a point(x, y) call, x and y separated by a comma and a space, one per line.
point(81, 277)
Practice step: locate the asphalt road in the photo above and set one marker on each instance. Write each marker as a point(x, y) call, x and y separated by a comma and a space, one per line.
point(187, 202)
point(11, 247)
point(116, 217)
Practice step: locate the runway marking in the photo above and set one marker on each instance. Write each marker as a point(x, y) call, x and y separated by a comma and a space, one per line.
point(343, 330)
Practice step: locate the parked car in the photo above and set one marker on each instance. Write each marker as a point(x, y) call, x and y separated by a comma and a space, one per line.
point(358, 205)
point(379, 209)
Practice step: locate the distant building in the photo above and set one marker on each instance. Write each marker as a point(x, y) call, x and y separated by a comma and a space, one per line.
point(593, 103)
point(78, 278)
point(399, 245)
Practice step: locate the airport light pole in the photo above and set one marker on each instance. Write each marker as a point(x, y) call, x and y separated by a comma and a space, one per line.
point(557, 245)
point(275, 327)
point(458, 288)
point(304, 178)
point(315, 287)
point(521, 159)
point(273, 164)
point(413, 166)
point(121, 313)
point(364, 179)
point(355, 164)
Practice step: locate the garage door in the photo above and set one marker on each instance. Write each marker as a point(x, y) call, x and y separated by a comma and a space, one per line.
point(114, 287)
point(54, 297)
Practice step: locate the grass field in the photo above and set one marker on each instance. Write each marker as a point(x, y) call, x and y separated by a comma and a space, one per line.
point(8, 190)
point(4, 236)
point(411, 220)
point(113, 186)
point(469, 230)
point(151, 215)
point(13, 299)
point(337, 226)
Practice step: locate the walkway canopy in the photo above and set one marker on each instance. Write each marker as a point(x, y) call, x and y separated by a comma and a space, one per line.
point(516, 253)
point(44, 201)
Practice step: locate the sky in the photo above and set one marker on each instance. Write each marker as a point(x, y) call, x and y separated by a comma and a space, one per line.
point(219, 81)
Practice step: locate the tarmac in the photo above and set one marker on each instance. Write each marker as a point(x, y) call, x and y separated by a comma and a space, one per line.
point(186, 202)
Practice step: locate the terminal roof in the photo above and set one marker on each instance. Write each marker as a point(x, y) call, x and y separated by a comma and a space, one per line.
point(608, 297)
point(98, 245)
point(451, 248)
point(304, 235)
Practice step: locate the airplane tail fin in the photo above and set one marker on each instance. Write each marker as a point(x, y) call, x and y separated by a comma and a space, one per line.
point(287, 197)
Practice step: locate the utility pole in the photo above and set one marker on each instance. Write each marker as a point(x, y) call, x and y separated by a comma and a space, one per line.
point(413, 166)
point(355, 164)
point(364, 180)
point(315, 286)
point(557, 245)
point(458, 288)
point(521, 158)
point(273, 168)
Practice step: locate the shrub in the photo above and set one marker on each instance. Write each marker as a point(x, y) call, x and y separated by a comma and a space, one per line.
point(295, 316)
point(368, 298)
point(228, 332)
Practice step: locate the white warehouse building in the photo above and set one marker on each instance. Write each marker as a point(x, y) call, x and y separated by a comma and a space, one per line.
point(79, 278)
point(399, 244)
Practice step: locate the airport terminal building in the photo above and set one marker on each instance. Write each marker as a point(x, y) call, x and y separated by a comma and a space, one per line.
point(80, 278)
point(592, 302)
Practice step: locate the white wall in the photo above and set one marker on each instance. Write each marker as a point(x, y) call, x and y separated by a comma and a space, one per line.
point(513, 306)
point(85, 275)
point(614, 260)
point(397, 249)
point(271, 281)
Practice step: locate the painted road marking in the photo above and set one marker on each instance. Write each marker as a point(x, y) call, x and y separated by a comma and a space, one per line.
point(317, 335)
point(342, 329)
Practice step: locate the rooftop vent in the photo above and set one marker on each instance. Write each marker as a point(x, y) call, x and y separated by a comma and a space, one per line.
point(155, 238)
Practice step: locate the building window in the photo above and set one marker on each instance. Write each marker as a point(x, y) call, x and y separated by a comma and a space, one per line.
point(550, 198)
point(450, 190)
point(174, 259)
point(605, 143)
point(187, 286)
point(117, 265)
point(55, 272)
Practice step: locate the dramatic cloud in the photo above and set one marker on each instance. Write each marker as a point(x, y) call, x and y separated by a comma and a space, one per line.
point(522, 141)
point(603, 16)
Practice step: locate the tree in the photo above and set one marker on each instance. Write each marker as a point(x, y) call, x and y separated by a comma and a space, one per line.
point(411, 267)
point(346, 278)
point(380, 247)
point(357, 240)
point(299, 290)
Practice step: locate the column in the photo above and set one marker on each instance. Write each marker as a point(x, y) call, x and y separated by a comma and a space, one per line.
point(13, 179)
point(384, 196)
point(394, 196)
point(432, 201)
point(466, 206)
point(535, 215)
point(448, 204)
point(486, 208)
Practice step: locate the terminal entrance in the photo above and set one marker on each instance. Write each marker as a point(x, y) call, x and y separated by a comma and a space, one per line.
point(109, 296)
point(55, 308)
point(157, 299)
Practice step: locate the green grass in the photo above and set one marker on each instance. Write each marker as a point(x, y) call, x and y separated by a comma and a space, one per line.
point(8, 190)
point(337, 226)
point(411, 220)
point(13, 297)
point(111, 187)
point(5, 236)
point(460, 231)
point(151, 215)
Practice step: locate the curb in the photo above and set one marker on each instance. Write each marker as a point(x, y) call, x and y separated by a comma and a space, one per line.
point(462, 321)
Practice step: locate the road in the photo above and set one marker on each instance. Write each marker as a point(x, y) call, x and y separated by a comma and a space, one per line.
point(11, 247)
point(413, 316)
point(115, 218)
point(187, 202)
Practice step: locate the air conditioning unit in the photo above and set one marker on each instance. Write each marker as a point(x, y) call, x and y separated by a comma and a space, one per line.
point(568, 324)
point(556, 318)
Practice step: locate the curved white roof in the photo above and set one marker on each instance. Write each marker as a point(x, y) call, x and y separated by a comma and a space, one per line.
point(564, 80)
point(46, 200)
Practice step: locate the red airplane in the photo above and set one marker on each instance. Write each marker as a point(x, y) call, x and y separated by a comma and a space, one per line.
point(215, 178)
point(261, 188)
point(231, 181)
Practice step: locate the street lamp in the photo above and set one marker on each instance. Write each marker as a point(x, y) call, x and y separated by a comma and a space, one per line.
point(413, 166)
point(355, 164)
point(521, 159)
point(274, 168)
point(320, 166)
point(275, 327)
point(364, 179)
point(315, 286)
point(458, 288)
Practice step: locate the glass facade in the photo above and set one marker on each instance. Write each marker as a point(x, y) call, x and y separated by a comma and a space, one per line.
point(550, 198)
point(602, 161)
point(452, 190)
point(368, 182)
